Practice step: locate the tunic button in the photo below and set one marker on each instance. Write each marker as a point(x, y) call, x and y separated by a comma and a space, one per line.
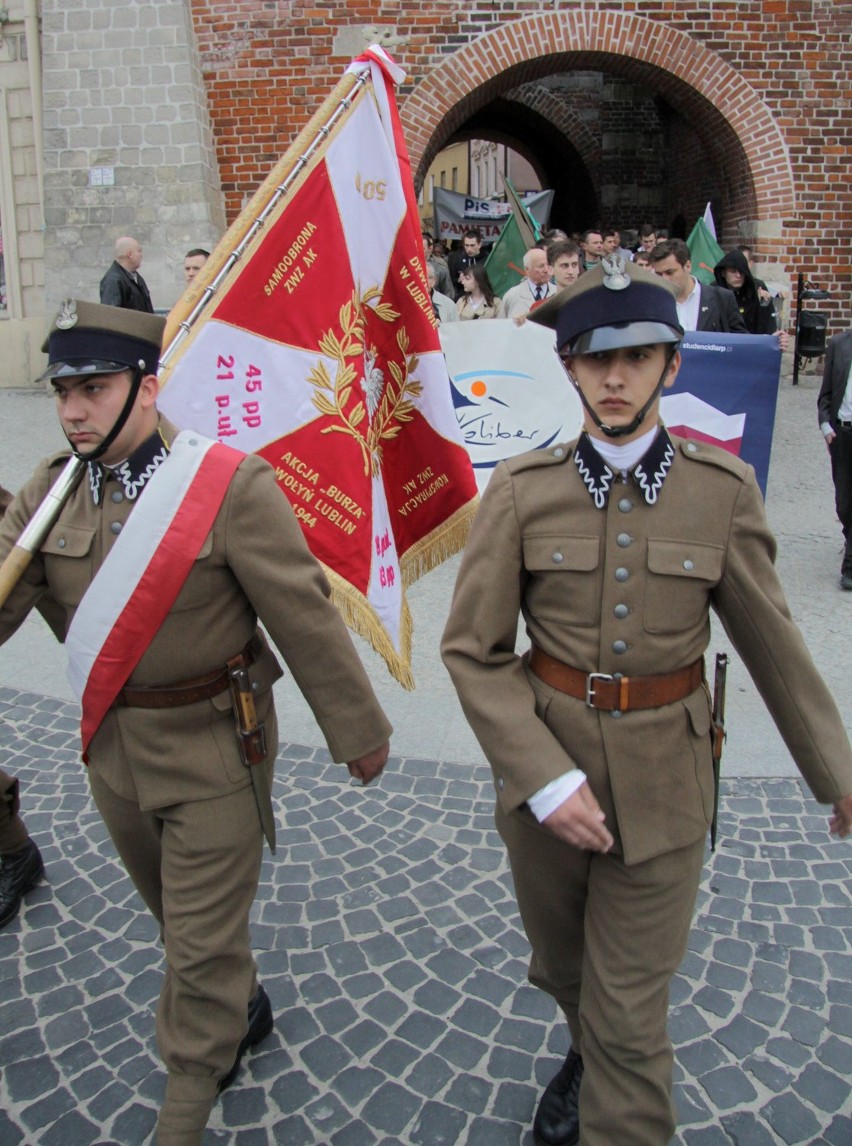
point(558, 558)
point(115, 527)
point(619, 647)
point(621, 611)
point(621, 574)
point(691, 447)
point(625, 505)
point(558, 452)
point(501, 783)
point(117, 496)
point(688, 565)
point(623, 540)
point(61, 543)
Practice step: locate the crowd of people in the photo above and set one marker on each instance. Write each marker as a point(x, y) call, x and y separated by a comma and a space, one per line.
point(737, 303)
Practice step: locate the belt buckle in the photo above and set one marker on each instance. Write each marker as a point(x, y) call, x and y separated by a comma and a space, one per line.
point(590, 687)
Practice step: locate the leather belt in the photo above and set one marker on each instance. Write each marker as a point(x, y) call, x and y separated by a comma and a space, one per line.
point(615, 693)
point(189, 691)
point(844, 425)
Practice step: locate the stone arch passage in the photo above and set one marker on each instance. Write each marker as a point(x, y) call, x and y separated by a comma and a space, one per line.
point(697, 83)
point(544, 141)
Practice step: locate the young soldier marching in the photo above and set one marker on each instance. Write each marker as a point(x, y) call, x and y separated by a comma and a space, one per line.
point(614, 548)
point(163, 558)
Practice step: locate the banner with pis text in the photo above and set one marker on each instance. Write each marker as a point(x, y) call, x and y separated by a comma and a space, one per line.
point(319, 351)
point(511, 392)
point(456, 213)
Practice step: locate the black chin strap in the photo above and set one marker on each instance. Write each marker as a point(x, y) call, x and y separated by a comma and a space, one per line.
point(120, 421)
point(631, 427)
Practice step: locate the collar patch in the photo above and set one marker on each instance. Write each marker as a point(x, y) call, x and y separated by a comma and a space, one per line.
point(650, 473)
point(134, 473)
point(596, 474)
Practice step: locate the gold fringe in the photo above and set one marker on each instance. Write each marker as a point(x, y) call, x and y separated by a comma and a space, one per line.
point(361, 617)
point(436, 547)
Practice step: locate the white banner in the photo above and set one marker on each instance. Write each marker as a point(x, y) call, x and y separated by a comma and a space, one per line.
point(509, 389)
point(456, 213)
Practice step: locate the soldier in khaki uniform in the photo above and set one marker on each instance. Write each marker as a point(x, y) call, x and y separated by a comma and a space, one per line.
point(614, 547)
point(164, 763)
point(21, 865)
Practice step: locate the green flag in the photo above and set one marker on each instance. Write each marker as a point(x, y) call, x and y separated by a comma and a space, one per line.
point(505, 263)
point(704, 252)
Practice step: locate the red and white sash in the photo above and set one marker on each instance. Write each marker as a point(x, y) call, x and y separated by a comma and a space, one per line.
point(145, 570)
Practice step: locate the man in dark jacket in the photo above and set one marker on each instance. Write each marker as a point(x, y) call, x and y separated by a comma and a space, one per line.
point(834, 407)
point(699, 306)
point(122, 285)
point(732, 272)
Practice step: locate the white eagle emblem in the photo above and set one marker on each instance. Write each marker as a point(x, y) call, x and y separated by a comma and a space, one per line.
point(372, 383)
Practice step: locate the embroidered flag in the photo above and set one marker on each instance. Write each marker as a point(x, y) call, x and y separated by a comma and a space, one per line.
point(143, 573)
point(318, 349)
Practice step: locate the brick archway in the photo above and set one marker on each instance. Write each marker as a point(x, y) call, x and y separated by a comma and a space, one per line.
point(567, 121)
point(697, 82)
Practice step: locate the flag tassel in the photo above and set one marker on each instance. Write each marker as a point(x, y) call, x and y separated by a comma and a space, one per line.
point(362, 619)
point(442, 543)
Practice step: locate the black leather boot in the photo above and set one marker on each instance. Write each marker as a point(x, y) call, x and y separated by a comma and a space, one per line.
point(557, 1120)
point(18, 873)
point(259, 1026)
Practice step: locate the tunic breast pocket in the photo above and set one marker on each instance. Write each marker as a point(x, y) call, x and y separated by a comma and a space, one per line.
point(67, 556)
point(681, 576)
point(564, 573)
point(203, 582)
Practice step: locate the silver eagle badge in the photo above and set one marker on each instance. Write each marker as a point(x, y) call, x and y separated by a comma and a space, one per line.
point(614, 272)
point(67, 316)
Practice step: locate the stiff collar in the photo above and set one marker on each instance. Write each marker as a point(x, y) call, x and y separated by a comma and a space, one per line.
point(134, 472)
point(649, 473)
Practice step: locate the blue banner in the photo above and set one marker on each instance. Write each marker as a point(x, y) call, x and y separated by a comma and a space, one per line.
point(726, 393)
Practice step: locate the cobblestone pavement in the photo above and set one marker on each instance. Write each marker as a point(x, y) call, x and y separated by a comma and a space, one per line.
point(388, 940)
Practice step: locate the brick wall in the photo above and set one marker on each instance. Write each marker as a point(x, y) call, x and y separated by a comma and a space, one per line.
point(127, 144)
point(758, 90)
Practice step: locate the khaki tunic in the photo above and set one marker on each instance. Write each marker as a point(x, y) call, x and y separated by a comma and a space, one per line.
point(13, 833)
point(254, 563)
point(541, 547)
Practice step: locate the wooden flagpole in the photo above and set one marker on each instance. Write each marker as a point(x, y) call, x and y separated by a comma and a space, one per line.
point(40, 524)
point(228, 252)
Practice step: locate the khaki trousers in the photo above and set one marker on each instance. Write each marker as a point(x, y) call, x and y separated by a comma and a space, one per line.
point(606, 940)
point(13, 834)
point(196, 865)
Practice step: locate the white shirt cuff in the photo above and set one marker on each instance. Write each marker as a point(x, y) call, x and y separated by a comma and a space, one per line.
point(548, 798)
point(826, 429)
